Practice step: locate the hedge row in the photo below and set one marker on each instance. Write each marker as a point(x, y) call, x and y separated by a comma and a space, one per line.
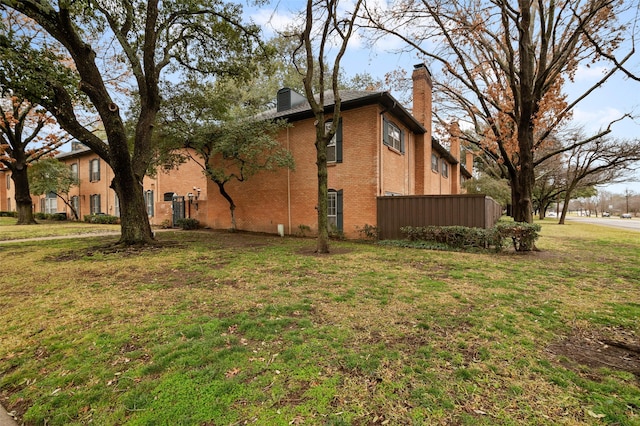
point(8, 214)
point(522, 235)
point(50, 216)
point(103, 219)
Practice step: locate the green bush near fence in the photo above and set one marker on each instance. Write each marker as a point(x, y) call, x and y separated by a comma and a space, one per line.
point(104, 219)
point(521, 235)
point(188, 223)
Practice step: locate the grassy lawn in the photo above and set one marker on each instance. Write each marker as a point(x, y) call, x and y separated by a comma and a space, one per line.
point(10, 231)
point(211, 328)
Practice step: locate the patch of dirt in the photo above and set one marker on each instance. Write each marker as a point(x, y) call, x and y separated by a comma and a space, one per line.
point(610, 347)
point(123, 251)
point(311, 251)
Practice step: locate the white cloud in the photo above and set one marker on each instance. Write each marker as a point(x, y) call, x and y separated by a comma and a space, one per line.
point(589, 74)
point(596, 119)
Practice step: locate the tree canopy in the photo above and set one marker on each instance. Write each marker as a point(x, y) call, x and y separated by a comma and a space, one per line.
point(501, 65)
point(148, 39)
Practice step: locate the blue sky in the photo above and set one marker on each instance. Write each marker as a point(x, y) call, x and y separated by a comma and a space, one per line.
point(615, 98)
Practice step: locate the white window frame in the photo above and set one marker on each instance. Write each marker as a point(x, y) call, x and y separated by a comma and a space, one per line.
point(94, 170)
point(331, 145)
point(445, 168)
point(434, 163)
point(332, 209)
point(50, 203)
point(394, 136)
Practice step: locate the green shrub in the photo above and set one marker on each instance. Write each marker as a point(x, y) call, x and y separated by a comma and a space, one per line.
point(103, 219)
point(50, 216)
point(368, 232)
point(522, 235)
point(8, 214)
point(188, 223)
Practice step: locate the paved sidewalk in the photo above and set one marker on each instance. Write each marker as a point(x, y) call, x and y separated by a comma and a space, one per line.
point(5, 419)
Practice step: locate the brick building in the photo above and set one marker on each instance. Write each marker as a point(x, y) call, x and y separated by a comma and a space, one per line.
point(93, 195)
point(380, 149)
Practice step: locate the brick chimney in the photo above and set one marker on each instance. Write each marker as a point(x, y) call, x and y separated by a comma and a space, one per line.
point(422, 89)
point(454, 149)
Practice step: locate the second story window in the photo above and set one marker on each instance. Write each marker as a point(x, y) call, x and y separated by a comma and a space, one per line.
point(393, 136)
point(74, 170)
point(434, 163)
point(94, 170)
point(445, 168)
point(334, 147)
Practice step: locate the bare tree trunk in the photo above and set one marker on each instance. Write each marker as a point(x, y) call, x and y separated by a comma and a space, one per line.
point(323, 223)
point(232, 205)
point(24, 205)
point(134, 220)
point(68, 204)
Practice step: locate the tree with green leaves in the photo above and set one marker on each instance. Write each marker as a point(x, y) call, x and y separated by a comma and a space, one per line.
point(27, 131)
point(146, 38)
point(50, 176)
point(217, 125)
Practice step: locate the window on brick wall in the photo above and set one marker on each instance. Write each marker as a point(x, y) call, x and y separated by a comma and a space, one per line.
point(8, 181)
point(75, 202)
point(95, 203)
point(74, 170)
point(148, 199)
point(393, 136)
point(49, 203)
point(334, 210)
point(334, 147)
point(94, 170)
point(434, 163)
point(445, 168)
point(116, 205)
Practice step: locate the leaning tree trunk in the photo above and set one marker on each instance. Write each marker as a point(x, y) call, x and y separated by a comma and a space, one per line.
point(232, 205)
point(24, 204)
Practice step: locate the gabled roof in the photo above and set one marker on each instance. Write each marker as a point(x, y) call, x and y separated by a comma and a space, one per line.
point(76, 152)
point(350, 99)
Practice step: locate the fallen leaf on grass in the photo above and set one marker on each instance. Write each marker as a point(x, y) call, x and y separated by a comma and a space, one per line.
point(232, 372)
point(597, 416)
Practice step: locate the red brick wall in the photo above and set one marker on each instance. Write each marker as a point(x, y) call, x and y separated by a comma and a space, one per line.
point(290, 197)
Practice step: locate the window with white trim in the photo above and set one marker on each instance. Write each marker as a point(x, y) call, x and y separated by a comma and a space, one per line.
point(116, 204)
point(148, 199)
point(95, 203)
point(94, 170)
point(334, 210)
point(331, 145)
point(393, 136)
point(434, 163)
point(74, 170)
point(50, 203)
point(445, 168)
point(75, 203)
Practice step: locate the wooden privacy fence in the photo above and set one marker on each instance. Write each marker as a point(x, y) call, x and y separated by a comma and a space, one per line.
point(474, 211)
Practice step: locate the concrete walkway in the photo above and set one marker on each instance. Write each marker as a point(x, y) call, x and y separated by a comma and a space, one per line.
point(6, 419)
